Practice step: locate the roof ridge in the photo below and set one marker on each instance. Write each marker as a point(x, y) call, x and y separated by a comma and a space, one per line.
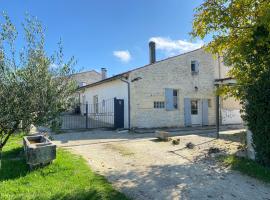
point(144, 66)
point(92, 70)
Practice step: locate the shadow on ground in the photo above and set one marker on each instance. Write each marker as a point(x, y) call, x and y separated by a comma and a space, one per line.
point(105, 136)
point(13, 164)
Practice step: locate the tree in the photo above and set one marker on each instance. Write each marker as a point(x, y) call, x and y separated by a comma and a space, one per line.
point(34, 87)
point(240, 32)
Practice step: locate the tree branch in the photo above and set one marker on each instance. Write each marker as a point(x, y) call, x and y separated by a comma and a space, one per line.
point(8, 135)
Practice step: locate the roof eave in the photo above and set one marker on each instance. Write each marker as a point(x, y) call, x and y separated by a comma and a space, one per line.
point(119, 76)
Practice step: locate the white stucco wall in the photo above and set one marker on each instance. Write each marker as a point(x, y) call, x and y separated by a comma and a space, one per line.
point(108, 91)
point(230, 111)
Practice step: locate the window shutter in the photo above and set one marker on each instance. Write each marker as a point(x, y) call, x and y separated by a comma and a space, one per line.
point(169, 99)
point(187, 111)
point(205, 112)
point(196, 66)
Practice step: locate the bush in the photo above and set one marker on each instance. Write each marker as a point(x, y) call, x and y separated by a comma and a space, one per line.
point(257, 115)
point(56, 125)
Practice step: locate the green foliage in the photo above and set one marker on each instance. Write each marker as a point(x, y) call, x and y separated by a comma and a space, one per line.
point(34, 87)
point(56, 125)
point(68, 177)
point(258, 116)
point(240, 33)
point(247, 167)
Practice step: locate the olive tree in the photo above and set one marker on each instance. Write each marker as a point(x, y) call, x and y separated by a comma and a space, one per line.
point(34, 87)
point(240, 32)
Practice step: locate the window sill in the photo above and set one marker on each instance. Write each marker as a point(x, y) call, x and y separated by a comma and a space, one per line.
point(194, 73)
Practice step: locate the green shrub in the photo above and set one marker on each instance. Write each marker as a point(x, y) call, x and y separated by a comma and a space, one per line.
point(56, 125)
point(246, 166)
point(257, 115)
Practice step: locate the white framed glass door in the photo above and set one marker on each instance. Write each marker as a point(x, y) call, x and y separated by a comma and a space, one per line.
point(196, 118)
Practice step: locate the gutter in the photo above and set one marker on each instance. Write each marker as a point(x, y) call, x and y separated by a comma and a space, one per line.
point(128, 84)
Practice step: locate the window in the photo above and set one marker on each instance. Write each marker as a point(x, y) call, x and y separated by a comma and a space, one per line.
point(194, 107)
point(95, 101)
point(194, 66)
point(209, 103)
point(171, 99)
point(159, 104)
point(175, 99)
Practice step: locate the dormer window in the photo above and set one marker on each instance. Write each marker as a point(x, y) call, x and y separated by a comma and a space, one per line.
point(194, 67)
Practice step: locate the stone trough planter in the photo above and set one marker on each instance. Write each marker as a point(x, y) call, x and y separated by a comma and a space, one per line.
point(39, 150)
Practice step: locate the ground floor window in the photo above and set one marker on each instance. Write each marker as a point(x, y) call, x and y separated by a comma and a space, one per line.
point(209, 103)
point(175, 99)
point(159, 104)
point(95, 101)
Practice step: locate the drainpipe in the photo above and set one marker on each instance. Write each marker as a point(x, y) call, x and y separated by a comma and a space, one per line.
point(217, 112)
point(128, 84)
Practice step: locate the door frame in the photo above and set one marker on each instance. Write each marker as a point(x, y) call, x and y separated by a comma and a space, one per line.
point(199, 108)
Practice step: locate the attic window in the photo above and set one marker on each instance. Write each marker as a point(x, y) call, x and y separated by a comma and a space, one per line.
point(194, 67)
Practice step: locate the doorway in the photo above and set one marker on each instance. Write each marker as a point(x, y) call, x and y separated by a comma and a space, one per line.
point(196, 114)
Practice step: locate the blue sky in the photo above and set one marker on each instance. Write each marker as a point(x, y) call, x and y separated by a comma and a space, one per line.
point(111, 33)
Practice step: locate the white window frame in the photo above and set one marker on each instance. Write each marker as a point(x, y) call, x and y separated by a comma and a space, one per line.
point(95, 103)
point(159, 104)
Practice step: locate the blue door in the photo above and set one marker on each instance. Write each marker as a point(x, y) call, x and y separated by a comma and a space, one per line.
point(118, 113)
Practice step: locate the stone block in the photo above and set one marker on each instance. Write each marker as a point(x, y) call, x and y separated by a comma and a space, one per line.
point(162, 135)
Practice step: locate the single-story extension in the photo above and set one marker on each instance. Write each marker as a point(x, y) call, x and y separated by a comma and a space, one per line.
point(175, 92)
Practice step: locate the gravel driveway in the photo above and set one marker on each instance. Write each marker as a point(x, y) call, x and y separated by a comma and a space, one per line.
point(144, 168)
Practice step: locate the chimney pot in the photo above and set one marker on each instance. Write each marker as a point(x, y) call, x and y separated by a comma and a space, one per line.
point(152, 52)
point(103, 73)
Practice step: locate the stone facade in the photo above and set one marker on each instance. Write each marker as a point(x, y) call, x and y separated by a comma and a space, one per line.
point(172, 73)
point(149, 83)
point(85, 78)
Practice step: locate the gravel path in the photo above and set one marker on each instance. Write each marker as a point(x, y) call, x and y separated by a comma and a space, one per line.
point(144, 168)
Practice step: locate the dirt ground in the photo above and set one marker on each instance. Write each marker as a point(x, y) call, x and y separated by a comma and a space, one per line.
point(145, 168)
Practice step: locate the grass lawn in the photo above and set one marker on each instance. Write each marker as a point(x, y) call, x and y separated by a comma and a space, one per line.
point(248, 167)
point(69, 177)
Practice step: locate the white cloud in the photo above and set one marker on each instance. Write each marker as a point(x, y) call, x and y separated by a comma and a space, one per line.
point(173, 47)
point(124, 55)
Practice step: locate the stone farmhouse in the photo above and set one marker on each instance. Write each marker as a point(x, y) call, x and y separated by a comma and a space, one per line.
point(88, 77)
point(175, 92)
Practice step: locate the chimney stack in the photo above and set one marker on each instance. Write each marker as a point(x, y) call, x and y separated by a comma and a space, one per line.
point(152, 52)
point(103, 73)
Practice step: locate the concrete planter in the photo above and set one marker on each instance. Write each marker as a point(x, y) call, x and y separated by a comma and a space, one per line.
point(39, 150)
